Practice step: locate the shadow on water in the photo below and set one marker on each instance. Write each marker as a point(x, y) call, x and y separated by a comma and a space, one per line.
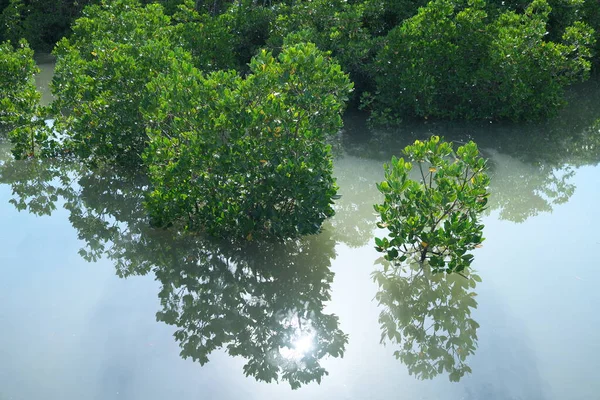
point(263, 302)
point(260, 301)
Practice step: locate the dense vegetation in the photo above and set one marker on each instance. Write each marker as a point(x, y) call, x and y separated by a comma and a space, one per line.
point(231, 154)
point(18, 95)
point(454, 60)
point(459, 59)
point(21, 116)
point(257, 150)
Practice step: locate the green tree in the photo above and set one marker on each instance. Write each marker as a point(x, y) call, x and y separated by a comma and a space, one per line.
point(527, 74)
point(21, 117)
point(590, 12)
point(228, 155)
point(101, 75)
point(207, 38)
point(170, 6)
point(11, 21)
point(247, 157)
point(250, 25)
point(41, 22)
point(336, 26)
point(18, 95)
point(434, 219)
point(452, 60)
point(103, 69)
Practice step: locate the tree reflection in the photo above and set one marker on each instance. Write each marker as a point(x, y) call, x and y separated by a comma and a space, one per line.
point(5, 153)
point(531, 166)
point(427, 317)
point(522, 189)
point(354, 219)
point(260, 301)
point(263, 302)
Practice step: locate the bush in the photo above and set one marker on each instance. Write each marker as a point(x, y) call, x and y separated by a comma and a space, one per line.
point(102, 72)
point(434, 220)
point(18, 95)
point(590, 12)
point(207, 38)
point(249, 24)
point(335, 26)
point(101, 75)
point(527, 75)
point(41, 22)
point(247, 157)
point(11, 21)
point(228, 155)
point(452, 60)
point(21, 117)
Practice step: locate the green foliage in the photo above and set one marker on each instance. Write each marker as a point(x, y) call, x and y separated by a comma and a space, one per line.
point(170, 6)
point(452, 60)
point(428, 317)
point(21, 117)
point(528, 74)
point(11, 21)
point(590, 14)
point(249, 24)
point(434, 219)
point(208, 39)
point(41, 22)
point(18, 95)
point(102, 72)
point(335, 26)
point(228, 155)
point(247, 157)
point(563, 14)
point(428, 61)
point(384, 15)
point(466, 59)
point(101, 75)
point(213, 7)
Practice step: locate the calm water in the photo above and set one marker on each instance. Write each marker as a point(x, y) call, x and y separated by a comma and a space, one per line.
point(72, 329)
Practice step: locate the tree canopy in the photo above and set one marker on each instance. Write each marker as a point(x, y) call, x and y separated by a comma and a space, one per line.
point(434, 219)
point(457, 59)
point(230, 153)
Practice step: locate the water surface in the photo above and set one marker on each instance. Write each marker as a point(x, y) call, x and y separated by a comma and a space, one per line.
point(73, 329)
